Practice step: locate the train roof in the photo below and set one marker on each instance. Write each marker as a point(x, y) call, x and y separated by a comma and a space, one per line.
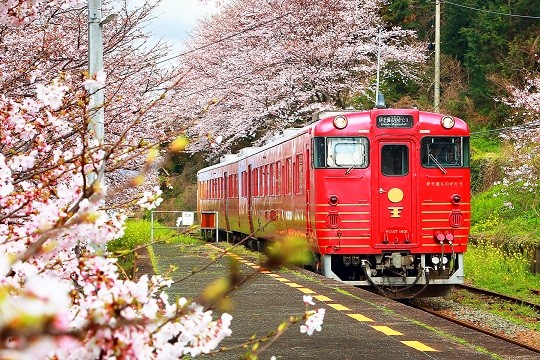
point(317, 117)
point(285, 135)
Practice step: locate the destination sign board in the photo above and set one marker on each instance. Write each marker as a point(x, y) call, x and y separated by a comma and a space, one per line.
point(394, 121)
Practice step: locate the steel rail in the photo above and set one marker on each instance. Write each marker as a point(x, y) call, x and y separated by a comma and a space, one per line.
point(497, 295)
point(476, 328)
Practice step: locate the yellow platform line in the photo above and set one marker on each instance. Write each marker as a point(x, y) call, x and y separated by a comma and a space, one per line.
point(418, 346)
point(360, 317)
point(274, 275)
point(339, 307)
point(306, 290)
point(294, 285)
point(387, 331)
point(322, 298)
point(282, 279)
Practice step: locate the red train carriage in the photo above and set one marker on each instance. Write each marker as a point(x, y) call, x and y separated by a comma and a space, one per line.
point(381, 196)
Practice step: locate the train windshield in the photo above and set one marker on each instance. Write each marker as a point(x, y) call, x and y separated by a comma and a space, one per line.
point(340, 152)
point(445, 151)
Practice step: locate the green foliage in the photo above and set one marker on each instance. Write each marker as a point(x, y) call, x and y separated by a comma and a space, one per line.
point(507, 218)
point(489, 267)
point(486, 162)
point(138, 233)
point(292, 250)
point(481, 145)
point(492, 47)
point(414, 15)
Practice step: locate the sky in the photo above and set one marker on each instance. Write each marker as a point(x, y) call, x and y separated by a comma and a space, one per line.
point(175, 18)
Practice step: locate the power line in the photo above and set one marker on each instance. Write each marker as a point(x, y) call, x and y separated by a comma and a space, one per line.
point(532, 125)
point(491, 12)
point(253, 27)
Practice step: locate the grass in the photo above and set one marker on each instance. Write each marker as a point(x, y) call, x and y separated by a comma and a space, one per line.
point(138, 233)
point(489, 267)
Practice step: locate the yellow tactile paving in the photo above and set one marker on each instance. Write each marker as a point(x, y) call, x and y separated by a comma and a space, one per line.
point(294, 285)
point(322, 298)
point(339, 307)
point(418, 346)
point(360, 317)
point(386, 330)
point(306, 290)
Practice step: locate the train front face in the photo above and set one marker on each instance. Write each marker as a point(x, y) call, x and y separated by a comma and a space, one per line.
point(391, 200)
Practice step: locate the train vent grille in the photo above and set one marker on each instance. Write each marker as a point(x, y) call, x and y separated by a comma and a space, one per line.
point(333, 220)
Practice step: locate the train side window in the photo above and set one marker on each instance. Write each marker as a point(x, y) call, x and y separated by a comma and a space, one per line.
point(272, 180)
point(288, 176)
point(299, 177)
point(395, 160)
point(266, 180)
point(319, 152)
point(278, 177)
point(255, 180)
point(244, 183)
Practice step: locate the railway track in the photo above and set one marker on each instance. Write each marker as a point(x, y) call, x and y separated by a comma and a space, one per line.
point(498, 296)
point(448, 315)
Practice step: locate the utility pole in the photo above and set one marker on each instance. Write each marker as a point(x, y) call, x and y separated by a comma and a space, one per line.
point(96, 126)
point(437, 95)
point(379, 98)
point(95, 64)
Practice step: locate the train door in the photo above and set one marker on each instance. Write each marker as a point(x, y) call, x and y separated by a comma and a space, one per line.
point(395, 193)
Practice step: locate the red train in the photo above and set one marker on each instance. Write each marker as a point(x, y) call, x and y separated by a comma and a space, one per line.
point(382, 197)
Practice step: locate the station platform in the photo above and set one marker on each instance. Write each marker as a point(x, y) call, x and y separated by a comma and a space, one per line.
point(358, 324)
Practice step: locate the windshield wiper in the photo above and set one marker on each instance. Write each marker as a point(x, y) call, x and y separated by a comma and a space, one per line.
point(437, 163)
point(354, 164)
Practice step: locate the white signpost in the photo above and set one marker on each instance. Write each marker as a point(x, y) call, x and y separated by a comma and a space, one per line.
point(187, 218)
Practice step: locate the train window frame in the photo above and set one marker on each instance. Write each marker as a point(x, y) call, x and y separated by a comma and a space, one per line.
point(390, 170)
point(440, 147)
point(321, 155)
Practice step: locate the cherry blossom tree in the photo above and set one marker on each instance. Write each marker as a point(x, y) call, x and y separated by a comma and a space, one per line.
point(60, 297)
point(259, 66)
point(524, 171)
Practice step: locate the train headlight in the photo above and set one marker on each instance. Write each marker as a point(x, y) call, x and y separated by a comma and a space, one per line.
point(333, 200)
point(340, 122)
point(447, 122)
point(456, 199)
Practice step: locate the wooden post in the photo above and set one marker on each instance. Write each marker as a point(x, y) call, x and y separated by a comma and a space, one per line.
point(536, 261)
